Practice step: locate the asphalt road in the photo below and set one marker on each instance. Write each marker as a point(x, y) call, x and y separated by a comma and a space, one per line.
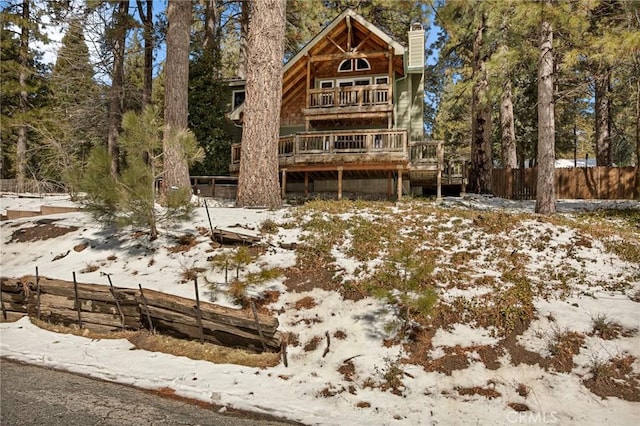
point(31, 395)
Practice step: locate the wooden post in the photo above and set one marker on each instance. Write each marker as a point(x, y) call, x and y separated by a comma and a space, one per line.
point(390, 94)
point(307, 92)
point(284, 184)
point(399, 183)
point(389, 184)
point(75, 290)
point(4, 310)
point(463, 190)
point(115, 299)
point(213, 187)
point(440, 152)
point(340, 169)
point(306, 184)
point(198, 312)
point(37, 295)
point(208, 217)
point(255, 317)
point(146, 308)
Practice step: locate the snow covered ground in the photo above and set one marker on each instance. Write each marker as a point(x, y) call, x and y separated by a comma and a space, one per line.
point(347, 386)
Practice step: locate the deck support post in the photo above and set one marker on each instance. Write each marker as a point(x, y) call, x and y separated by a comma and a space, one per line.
point(284, 184)
point(440, 154)
point(399, 183)
point(340, 170)
point(306, 184)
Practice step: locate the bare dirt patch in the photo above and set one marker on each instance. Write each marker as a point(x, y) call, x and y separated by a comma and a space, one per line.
point(305, 303)
point(43, 229)
point(615, 378)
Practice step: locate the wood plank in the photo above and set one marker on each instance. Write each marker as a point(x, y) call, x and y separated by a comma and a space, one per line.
point(63, 302)
point(70, 316)
point(233, 317)
point(218, 337)
point(175, 317)
point(13, 297)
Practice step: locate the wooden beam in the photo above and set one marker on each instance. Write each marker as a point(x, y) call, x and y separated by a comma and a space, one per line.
point(284, 183)
point(362, 42)
point(335, 44)
point(306, 183)
point(307, 96)
point(349, 55)
point(349, 33)
point(340, 169)
point(399, 184)
point(391, 82)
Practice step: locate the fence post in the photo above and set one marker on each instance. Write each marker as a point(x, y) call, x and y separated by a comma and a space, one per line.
point(37, 295)
point(146, 308)
point(115, 299)
point(255, 317)
point(198, 313)
point(75, 289)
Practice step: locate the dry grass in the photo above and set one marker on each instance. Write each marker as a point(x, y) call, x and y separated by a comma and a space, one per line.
point(170, 345)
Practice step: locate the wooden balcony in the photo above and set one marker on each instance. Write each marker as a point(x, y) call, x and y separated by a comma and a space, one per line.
point(337, 147)
point(348, 102)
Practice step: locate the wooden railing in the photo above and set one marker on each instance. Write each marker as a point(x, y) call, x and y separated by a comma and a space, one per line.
point(431, 152)
point(377, 94)
point(337, 142)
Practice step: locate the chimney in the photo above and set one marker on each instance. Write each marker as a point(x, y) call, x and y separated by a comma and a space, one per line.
point(415, 58)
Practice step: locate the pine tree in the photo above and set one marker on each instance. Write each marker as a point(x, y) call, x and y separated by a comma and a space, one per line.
point(129, 198)
point(258, 175)
point(545, 188)
point(175, 177)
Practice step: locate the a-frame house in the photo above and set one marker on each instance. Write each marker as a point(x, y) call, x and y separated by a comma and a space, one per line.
point(352, 115)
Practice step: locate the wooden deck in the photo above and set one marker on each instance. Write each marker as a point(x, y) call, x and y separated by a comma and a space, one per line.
point(362, 154)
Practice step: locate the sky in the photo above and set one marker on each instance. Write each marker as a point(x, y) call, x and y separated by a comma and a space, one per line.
point(312, 389)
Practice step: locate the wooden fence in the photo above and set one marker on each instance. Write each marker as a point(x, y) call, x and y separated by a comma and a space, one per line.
point(106, 308)
point(605, 183)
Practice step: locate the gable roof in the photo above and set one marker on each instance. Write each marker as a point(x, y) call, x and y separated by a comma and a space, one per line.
point(347, 36)
point(397, 47)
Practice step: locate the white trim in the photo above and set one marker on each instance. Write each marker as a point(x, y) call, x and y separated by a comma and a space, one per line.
point(346, 61)
point(321, 82)
point(233, 98)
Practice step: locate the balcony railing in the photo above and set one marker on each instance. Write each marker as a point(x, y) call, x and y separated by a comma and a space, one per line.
point(426, 153)
point(371, 95)
point(338, 142)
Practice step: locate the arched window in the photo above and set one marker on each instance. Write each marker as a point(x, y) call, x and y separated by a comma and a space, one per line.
point(362, 64)
point(359, 64)
point(345, 66)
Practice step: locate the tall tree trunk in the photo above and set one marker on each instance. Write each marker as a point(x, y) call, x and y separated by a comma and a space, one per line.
point(481, 153)
point(146, 16)
point(602, 130)
point(245, 15)
point(507, 127)
point(637, 138)
point(546, 188)
point(258, 176)
point(21, 144)
point(176, 107)
point(116, 92)
point(210, 26)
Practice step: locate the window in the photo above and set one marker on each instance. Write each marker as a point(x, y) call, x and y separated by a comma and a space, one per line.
point(326, 84)
point(359, 64)
point(382, 80)
point(345, 66)
point(237, 99)
point(362, 64)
